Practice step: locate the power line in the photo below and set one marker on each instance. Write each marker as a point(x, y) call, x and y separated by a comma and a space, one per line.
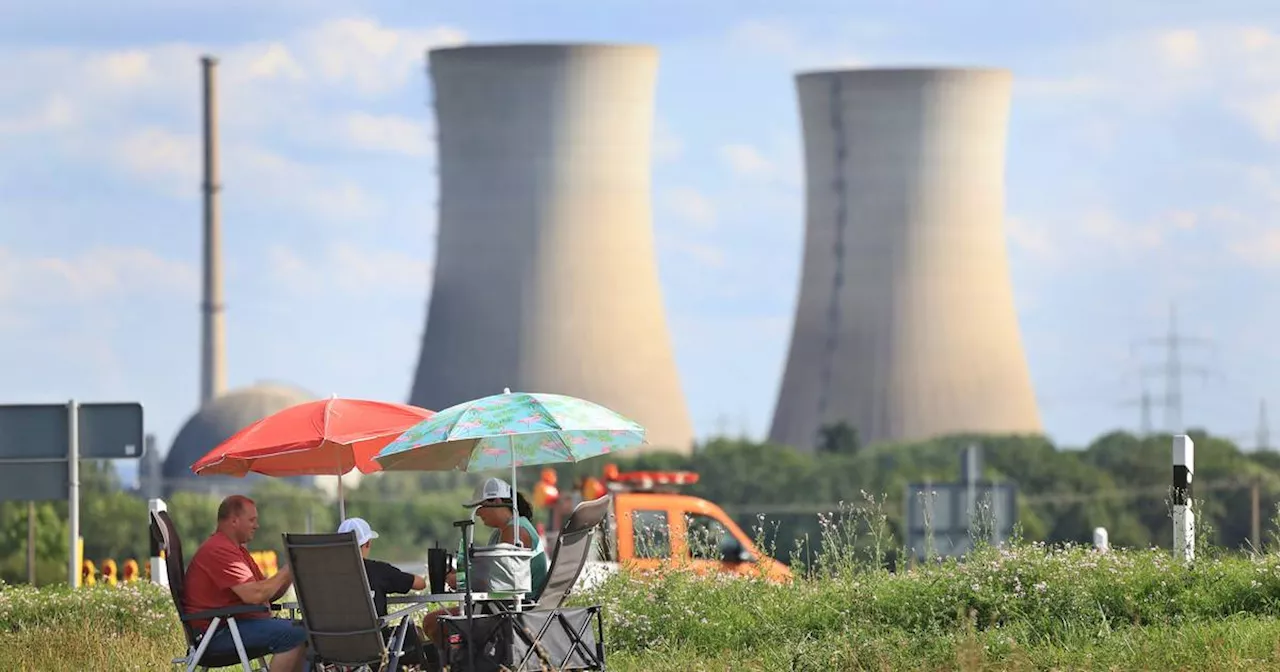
point(1143, 402)
point(1173, 370)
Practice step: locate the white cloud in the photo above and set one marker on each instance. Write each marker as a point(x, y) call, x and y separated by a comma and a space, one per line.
point(1064, 87)
point(392, 134)
point(1260, 249)
point(1236, 67)
point(667, 146)
point(1180, 48)
point(171, 162)
point(747, 161)
point(54, 113)
point(305, 86)
point(1027, 237)
point(780, 40)
point(373, 59)
point(691, 206)
point(350, 270)
point(1098, 234)
point(94, 274)
point(703, 255)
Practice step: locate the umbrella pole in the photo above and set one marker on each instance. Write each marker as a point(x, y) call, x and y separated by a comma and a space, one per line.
point(342, 501)
point(515, 507)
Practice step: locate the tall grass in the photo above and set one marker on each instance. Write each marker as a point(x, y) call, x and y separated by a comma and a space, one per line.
point(1021, 606)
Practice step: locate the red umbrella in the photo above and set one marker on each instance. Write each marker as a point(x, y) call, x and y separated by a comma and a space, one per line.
point(329, 437)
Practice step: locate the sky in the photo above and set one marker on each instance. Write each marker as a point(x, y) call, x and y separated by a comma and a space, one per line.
point(1142, 172)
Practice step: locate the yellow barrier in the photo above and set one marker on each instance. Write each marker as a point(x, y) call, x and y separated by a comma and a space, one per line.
point(109, 572)
point(129, 573)
point(88, 573)
point(266, 561)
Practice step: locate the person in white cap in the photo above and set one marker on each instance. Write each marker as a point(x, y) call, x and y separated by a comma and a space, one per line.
point(385, 578)
point(493, 497)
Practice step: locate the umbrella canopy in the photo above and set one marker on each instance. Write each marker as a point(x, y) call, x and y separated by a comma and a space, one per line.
point(511, 430)
point(328, 437)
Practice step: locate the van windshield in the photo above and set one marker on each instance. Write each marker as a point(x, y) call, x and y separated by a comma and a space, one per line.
point(707, 536)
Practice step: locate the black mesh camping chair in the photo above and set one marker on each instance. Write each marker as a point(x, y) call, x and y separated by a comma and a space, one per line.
point(343, 628)
point(544, 634)
point(165, 538)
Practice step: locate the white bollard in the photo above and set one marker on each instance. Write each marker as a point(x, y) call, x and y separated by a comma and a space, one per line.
point(158, 574)
point(1184, 520)
point(1100, 539)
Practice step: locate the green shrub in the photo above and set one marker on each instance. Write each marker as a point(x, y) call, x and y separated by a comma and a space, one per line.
point(140, 607)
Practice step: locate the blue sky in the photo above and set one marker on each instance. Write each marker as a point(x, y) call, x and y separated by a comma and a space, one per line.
point(1142, 170)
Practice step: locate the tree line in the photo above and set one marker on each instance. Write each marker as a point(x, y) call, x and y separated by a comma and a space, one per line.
point(1119, 481)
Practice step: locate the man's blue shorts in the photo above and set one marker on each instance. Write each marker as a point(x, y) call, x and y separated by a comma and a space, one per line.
point(275, 635)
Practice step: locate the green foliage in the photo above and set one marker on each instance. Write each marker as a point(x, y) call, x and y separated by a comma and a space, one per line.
point(1048, 599)
point(1024, 607)
point(1119, 482)
point(840, 439)
point(138, 607)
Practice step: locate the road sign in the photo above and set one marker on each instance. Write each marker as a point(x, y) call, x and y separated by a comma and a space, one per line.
point(41, 446)
point(942, 515)
point(107, 431)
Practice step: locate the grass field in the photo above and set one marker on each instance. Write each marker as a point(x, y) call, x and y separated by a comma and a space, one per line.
point(1024, 607)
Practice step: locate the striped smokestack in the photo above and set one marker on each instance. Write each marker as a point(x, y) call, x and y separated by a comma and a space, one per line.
point(213, 374)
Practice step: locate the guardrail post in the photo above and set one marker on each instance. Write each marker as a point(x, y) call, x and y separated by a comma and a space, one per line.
point(1184, 520)
point(158, 574)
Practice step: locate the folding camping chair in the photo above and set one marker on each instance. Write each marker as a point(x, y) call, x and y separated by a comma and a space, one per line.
point(542, 633)
point(165, 539)
point(343, 628)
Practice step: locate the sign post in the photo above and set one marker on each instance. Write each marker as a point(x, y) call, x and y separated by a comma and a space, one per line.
point(31, 543)
point(41, 446)
point(159, 575)
point(946, 517)
point(73, 487)
point(1184, 519)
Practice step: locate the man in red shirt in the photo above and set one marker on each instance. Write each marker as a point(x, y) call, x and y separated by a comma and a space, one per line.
point(223, 574)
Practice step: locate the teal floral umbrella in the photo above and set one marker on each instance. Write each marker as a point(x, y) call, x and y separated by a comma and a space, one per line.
point(512, 429)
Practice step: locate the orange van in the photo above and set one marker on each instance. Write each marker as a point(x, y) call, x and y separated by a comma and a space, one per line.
point(652, 525)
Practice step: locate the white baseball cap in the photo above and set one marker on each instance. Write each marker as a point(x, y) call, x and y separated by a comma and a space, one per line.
point(364, 533)
point(493, 488)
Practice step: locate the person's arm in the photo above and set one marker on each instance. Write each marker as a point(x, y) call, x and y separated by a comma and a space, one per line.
point(400, 581)
point(284, 587)
point(228, 569)
point(265, 591)
point(509, 538)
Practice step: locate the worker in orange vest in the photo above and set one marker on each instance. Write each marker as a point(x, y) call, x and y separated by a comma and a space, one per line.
point(545, 495)
point(592, 488)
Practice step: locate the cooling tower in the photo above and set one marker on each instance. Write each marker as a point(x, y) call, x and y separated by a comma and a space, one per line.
point(905, 326)
point(545, 276)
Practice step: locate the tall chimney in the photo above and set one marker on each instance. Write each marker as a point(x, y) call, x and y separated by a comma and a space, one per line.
point(213, 373)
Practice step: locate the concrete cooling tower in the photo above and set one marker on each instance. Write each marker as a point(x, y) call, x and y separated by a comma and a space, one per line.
point(905, 326)
point(545, 276)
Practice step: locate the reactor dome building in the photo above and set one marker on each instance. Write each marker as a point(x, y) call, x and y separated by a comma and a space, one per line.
point(905, 327)
point(216, 421)
point(545, 277)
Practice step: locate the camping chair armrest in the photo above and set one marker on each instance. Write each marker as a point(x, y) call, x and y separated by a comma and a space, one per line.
point(225, 611)
point(395, 617)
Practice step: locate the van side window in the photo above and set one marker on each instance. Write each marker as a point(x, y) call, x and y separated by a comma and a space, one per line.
point(705, 536)
point(651, 534)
